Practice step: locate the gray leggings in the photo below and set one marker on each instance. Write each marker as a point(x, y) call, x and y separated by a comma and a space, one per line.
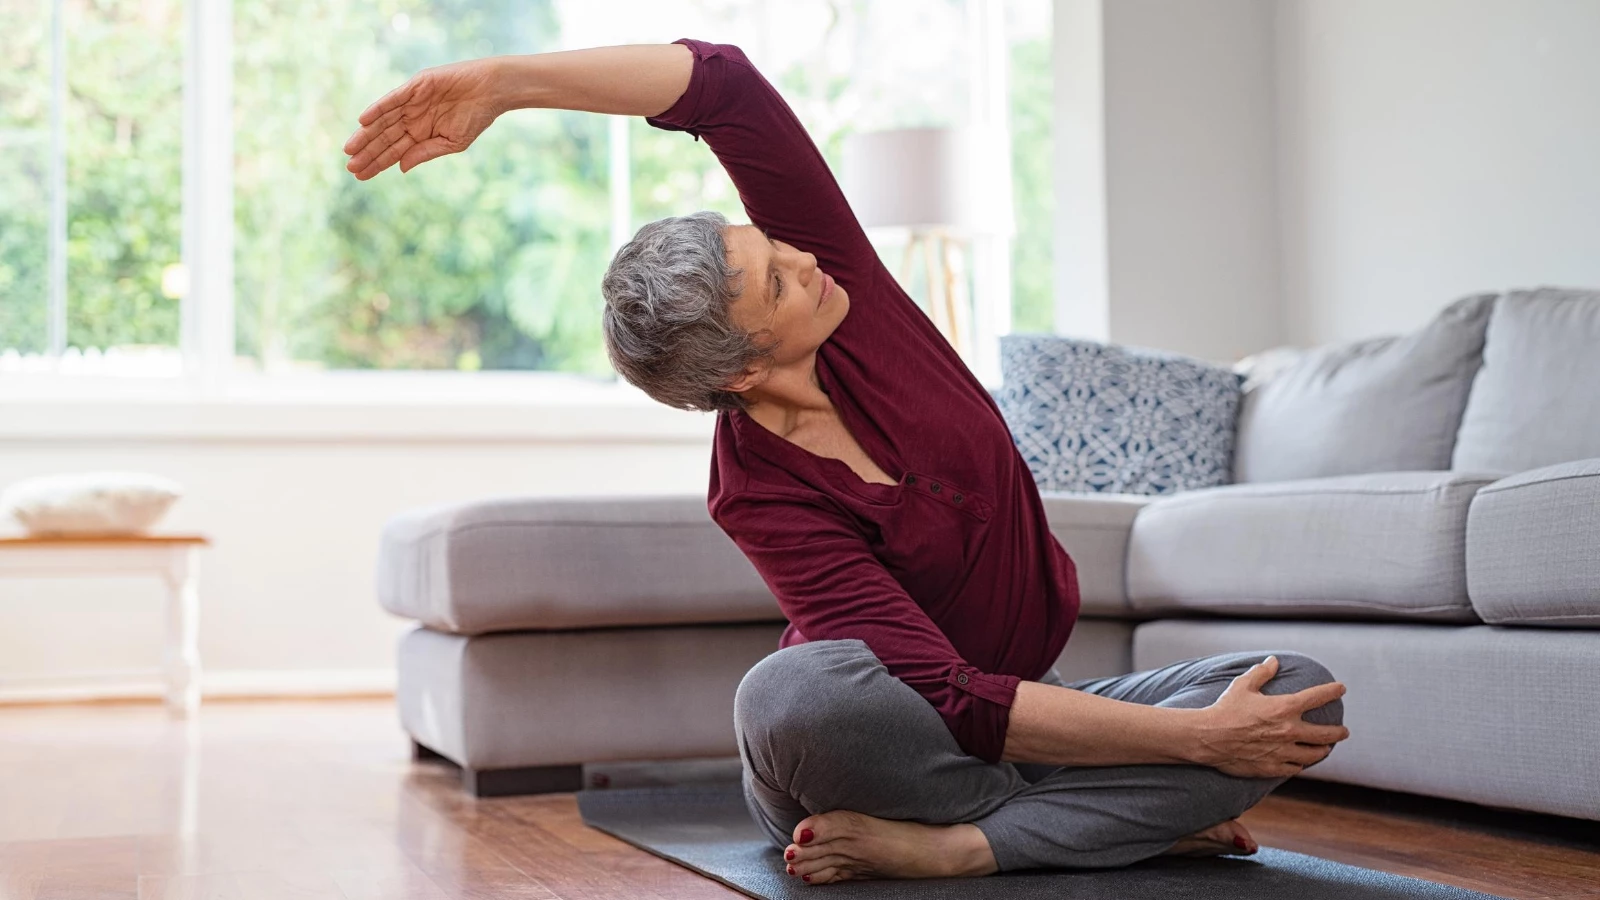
point(824, 726)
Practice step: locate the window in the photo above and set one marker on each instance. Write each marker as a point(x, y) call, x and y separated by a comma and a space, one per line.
point(91, 132)
point(488, 260)
point(1028, 29)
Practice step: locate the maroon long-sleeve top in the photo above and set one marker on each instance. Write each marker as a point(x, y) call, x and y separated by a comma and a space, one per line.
point(951, 576)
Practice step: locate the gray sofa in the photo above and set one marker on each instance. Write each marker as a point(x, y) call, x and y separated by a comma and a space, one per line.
point(1419, 513)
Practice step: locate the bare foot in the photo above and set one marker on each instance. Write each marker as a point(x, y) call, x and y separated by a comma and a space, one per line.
point(846, 845)
point(1224, 838)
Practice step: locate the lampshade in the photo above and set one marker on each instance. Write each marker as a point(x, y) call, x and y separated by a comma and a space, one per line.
point(910, 177)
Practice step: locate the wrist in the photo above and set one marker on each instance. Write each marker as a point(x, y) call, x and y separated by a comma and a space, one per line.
point(509, 83)
point(1187, 742)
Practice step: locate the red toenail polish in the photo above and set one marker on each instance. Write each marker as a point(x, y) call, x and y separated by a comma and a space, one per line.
point(805, 835)
point(806, 878)
point(789, 855)
point(1241, 843)
point(791, 870)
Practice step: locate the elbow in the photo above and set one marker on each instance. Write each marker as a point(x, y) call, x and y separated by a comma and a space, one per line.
point(980, 731)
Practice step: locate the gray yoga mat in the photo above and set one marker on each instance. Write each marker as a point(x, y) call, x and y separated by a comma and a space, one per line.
point(705, 827)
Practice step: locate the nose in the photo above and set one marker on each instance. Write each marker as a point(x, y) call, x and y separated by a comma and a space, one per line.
point(811, 261)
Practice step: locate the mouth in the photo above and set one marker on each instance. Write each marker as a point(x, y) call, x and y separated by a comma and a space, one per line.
point(827, 289)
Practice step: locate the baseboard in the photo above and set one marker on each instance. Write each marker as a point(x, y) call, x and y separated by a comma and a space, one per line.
point(220, 685)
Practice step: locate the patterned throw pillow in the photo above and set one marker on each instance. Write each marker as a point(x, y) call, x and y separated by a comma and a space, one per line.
point(1098, 417)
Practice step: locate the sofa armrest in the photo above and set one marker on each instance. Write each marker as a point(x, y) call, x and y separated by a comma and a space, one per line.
point(1094, 529)
point(567, 562)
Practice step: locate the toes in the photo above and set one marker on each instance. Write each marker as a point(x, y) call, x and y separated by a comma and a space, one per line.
point(823, 876)
point(822, 827)
point(808, 831)
point(794, 853)
point(813, 867)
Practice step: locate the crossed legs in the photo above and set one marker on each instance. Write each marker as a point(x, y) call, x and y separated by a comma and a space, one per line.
point(823, 726)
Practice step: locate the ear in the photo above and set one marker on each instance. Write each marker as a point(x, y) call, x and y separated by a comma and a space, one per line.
point(749, 378)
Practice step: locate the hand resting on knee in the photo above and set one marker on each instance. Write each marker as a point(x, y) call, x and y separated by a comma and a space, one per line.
point(1255, 735)
point(1244, 732)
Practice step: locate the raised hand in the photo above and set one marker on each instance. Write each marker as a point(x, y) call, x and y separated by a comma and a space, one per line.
point(1254, 735)
point(440, 110)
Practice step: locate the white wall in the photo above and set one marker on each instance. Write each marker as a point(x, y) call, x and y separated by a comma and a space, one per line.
point(295, 511)
point(1433, 148)
point(1165, 153)
point(1189, 173)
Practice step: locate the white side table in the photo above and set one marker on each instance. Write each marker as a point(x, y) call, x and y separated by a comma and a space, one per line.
point(175, 558)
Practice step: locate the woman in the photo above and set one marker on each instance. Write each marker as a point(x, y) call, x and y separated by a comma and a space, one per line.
point(910, 723)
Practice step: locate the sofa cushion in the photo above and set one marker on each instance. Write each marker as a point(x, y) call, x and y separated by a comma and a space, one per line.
point(1499, 716)
point(1533, 547)
point(1536, 402)
point(1388, 404)
point(1383, 546)
point(567, 562)
point(528, 698)
point(1098, 417)
point(1093, 529)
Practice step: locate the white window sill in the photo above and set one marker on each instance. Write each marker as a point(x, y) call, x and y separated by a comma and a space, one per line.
point(343, 406)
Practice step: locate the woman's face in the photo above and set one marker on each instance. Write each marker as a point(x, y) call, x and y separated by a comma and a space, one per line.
point(783, 293)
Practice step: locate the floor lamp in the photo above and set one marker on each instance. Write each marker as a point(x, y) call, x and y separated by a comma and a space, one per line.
point(917, 179)
point(944, 257)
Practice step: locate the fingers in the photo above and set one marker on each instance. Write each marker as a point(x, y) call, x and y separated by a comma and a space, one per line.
point(379, 143)
point(1308, 733)
point(1304, 755)
point(432, 148)
point(1257, 676)
point(1313, 697)
point(390, 101)
point(387, 158)
point(364, 135)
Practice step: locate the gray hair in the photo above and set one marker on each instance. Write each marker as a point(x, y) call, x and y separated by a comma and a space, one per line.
point(668, 324)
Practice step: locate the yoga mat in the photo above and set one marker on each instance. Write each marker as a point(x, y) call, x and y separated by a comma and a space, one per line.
point(706, 827)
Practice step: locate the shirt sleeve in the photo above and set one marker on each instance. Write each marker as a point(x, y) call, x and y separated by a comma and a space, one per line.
point(782, 178)
point(830, 586)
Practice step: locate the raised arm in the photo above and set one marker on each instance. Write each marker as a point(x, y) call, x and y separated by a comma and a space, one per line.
point(710, 90)
point(785, 184)
point(443, 109)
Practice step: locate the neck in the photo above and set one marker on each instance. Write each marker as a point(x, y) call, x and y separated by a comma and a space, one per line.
point(789, 397)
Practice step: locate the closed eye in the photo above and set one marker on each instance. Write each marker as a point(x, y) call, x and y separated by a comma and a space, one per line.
point(777, 291)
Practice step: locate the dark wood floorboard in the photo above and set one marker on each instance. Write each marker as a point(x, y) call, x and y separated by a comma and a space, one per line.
point(321, 801)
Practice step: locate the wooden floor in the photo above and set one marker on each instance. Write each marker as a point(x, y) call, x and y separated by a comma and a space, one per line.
point(320, 800)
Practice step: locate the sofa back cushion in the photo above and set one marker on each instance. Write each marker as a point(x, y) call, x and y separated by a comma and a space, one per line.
point(1536, 401)
point(1389, 404)
point(1088, 416)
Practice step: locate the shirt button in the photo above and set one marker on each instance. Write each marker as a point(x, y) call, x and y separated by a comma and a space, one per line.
point(935, 487)
point(962, 678)
point(957, 498)
point(911, 479)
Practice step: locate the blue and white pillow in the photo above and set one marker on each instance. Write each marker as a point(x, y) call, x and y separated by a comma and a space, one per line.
point(1098, 417)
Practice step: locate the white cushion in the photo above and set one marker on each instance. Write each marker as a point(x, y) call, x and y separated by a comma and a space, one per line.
point(90, 503)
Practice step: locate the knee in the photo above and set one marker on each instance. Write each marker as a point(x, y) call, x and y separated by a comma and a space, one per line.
point(798, 690)
point(1296, 672)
